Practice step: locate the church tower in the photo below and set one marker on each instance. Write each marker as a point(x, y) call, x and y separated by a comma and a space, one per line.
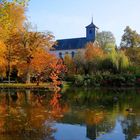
point(91, 31)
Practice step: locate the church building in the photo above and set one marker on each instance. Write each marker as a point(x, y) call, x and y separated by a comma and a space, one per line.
point(72, 45)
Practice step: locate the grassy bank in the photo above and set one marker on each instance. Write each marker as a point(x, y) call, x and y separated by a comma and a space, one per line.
point(24, 86)
point(65, 86)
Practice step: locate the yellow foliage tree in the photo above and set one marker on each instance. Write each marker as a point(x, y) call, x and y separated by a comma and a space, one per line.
point(2, 59)
point(12, 17)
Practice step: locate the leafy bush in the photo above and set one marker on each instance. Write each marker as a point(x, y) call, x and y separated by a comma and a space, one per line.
point(107, 79)
point(79, 80)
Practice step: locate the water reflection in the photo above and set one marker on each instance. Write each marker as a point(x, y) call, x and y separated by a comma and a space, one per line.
point(105, 113)
point(23, 113)
point(98, 114)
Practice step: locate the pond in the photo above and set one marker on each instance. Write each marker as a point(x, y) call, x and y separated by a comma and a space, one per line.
point(74, 114)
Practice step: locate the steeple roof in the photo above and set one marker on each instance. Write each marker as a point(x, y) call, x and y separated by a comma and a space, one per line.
point(92, 25)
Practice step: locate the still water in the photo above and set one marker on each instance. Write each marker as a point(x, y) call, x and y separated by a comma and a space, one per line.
point(75, 114)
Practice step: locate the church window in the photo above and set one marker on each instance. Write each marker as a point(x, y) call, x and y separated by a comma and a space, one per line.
point(72, 54)
point(90, 31)
point(60, 55)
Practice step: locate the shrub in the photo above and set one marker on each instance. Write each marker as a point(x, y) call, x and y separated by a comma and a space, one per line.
point(79, 80)
point(108, 80)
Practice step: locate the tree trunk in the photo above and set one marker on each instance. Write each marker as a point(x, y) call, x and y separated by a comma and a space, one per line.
point(38, 80)
point(9, 64)
point(28, 78)
point(8, 73)
point(28, 75)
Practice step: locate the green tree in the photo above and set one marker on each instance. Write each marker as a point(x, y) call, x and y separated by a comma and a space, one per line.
point(130, 38)
point(134, 55)
point(104, 38)
point(116, 62)
point(123, 61)
point(109, 47)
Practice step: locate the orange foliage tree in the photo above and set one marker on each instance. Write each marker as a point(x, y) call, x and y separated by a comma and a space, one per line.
point(58, 68)
point(93, 55)
point(41, 64)
point(31, 44)
point(93, 51)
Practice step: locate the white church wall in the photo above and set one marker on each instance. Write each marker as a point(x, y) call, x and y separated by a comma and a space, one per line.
point(62, 53)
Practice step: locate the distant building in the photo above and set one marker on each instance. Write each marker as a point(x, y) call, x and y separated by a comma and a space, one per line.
point(71, 46)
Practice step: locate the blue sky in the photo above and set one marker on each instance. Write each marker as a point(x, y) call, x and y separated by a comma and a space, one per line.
point(68, 18)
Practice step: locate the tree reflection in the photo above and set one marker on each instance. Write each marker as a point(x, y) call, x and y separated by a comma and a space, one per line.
point(131, 126)
point(28, 115)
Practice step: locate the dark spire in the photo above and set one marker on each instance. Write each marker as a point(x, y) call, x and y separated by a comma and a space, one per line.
point(92, 19)
point(92, 25)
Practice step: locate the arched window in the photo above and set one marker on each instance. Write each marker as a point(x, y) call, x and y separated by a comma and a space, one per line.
point(72, 54)
point(60, 55)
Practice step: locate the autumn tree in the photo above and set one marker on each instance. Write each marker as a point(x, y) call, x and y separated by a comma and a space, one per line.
point(93, 56)
point(87, 60)
point(40, 66)
point(130, 38)
point(68, 61)
point(92, 51)
point(12, 17)
point(29, 44)
point(2, 59)
point(57, 69)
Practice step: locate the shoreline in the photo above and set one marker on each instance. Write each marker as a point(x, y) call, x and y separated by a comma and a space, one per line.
point(23, 86)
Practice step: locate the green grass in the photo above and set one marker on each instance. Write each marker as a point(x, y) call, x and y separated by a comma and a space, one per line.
point(23, 85)
point(66, 85)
